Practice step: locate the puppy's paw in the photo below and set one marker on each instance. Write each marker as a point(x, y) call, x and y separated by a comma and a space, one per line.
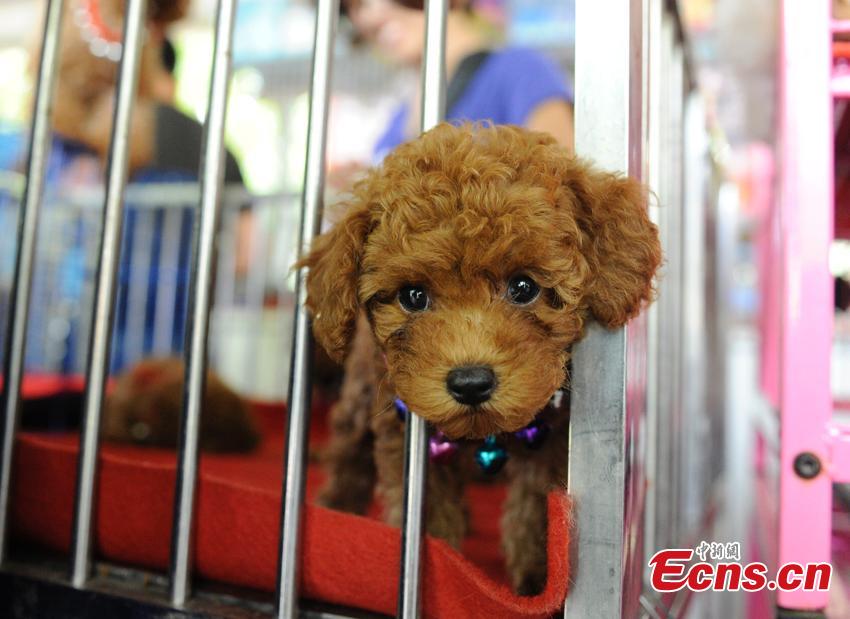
point(345, 498)
point(530, 583)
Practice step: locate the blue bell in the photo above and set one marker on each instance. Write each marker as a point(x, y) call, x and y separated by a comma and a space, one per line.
point(491, 456)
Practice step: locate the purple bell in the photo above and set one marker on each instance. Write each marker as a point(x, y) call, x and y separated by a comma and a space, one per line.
point(534, 434)
point(441, 449)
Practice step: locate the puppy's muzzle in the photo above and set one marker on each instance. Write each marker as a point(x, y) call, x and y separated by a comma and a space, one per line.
point(471, 384)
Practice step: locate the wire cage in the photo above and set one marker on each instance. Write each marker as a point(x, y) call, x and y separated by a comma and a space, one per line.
point(638, 393)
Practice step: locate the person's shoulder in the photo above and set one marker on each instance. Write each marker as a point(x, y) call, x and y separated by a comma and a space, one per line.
point(393, 134)
point(520, 60)
point(179, 144)
point(522, 71)
point(521, 79)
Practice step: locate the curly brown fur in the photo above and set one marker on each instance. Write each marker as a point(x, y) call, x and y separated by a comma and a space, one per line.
point(459, 211)
point(348, 457)
point(86, 83)
point(144, 408)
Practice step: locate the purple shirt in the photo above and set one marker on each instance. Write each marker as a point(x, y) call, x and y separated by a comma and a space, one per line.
point(507, 87)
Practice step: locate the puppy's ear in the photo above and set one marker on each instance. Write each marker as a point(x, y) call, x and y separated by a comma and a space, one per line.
point(619, 242)
point(332, 280)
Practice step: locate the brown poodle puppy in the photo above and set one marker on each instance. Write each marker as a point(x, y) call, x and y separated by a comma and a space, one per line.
point(473, 257)
point(146, 403)
point(86, 82)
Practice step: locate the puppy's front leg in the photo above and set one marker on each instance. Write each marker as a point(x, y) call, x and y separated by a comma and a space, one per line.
point(349, 460)
point(533, 474)
point(445, 509)
point(524, 526)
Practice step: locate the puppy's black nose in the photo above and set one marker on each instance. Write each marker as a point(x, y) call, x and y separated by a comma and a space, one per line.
point(472, 384)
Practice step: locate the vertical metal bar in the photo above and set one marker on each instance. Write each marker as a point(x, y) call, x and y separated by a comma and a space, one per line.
point(433, 104)
point(674, 261)
point(806, 204)
point(604, 424)
point(698, 414)
point(302, 345)
point(105, 285)
point(433, 95)
point(654, 162)
point(13, 357)
point(663, 480)
point(200, 296)
point(669, 303)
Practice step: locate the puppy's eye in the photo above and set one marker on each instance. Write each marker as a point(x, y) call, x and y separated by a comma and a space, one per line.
point(522, 290)
point(413, 298)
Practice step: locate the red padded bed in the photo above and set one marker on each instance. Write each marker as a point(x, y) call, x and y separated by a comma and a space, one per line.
point(349, 560)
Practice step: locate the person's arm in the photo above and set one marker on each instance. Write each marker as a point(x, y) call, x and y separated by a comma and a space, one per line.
point(555, 117)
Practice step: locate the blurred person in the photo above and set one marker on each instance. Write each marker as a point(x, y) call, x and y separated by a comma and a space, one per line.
point(179, 137)
point(165, 143)
point(486, 81)
point(165, 146)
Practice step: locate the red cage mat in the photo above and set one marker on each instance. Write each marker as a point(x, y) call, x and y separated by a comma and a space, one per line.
point(348, 559)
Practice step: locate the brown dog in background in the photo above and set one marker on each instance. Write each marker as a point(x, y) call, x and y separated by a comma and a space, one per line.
point(462, 272)
point(146, 403)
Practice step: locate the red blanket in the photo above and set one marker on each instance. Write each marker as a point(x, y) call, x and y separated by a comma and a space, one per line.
point(348, 560)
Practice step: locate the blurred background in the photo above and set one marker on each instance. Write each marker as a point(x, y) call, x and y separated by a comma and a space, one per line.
point(733, 46)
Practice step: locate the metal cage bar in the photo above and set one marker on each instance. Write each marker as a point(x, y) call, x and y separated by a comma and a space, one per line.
point(416, 435)
point(655, 430)
point(670, 305)
point(806, 204)
point(200, 298)
point(603, 420)
point(302, 346)
point(105, 288)
point(15, 341)
point(700, 415)
point(663, 485)
point(674, 292)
